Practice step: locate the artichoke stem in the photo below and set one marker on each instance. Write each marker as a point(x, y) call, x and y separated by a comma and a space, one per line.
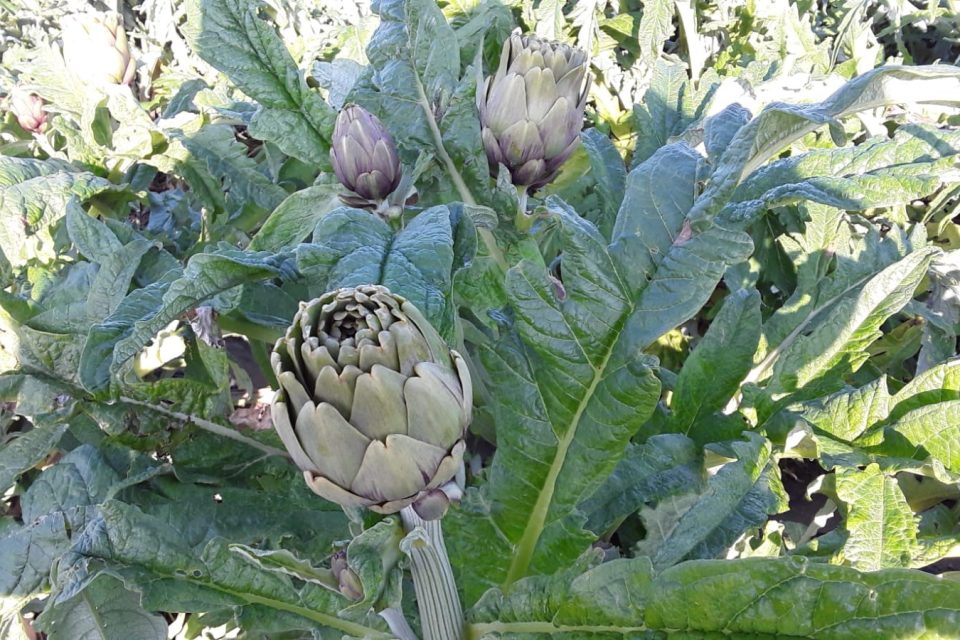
point(522, 221)
point(441, 616)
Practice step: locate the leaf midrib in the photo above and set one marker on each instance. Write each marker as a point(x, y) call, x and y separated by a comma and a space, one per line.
point(524, 550)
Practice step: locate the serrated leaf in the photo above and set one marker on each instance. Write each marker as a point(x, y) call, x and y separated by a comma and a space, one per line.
point(881, 528)
point(414, 87)
point(835, 341)
point(29, 209)
point(663, 112)
point(656, 26)
point(753, 598)
point(231, 36)
point(205, 275)
point(780, 124)
point(569, 396)
point(226, 158)
point(171, 574)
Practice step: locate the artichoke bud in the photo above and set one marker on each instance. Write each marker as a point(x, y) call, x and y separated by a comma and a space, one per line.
point(364, 157)
point(95, 50)
point(373, 404)
point(347, 579)
point(28, 109)
point(531, 109)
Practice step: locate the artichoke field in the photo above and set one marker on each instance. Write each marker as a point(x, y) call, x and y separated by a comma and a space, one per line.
point(479, 320)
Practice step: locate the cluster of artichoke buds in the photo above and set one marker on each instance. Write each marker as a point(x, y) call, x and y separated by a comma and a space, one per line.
point(364, 157)
point(531, 109)
point(95, 49)
point(373, 404)
point(28, 109)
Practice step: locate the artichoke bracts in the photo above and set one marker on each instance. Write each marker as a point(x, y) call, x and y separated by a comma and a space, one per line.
point(95, 49)
point(373, 405)
point(364, 157)
point(531, 109)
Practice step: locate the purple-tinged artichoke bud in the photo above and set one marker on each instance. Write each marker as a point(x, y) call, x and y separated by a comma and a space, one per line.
point(364, 157)
point(531, 109)
point(95, 49)
point(28, 109)
point(373, 404)
point(347, 580)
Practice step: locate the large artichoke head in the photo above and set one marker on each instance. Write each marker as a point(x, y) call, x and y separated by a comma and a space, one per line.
point(95, 49)
point(364, 157)
point(531, 109)
point(373, 405)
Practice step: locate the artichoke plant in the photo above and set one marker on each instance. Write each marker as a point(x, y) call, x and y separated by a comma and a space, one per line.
point(531, 109)
point(364, 157)
point(373, 405)
point(28, 109)
point(95, 50)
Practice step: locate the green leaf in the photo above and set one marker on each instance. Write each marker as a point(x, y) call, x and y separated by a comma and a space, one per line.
point(26, 450)
point(172, 576)
point(606, 167)
point(753, 598)
point(880, 172)
point(569, 396)
point(226, 158)
point(103, 610)
point(414, 86)
point(929, 431)
point(713, 372)
point(664, 110)
point(881, 528)
point(740, 496)
point(30, 209)
point(27, 553)
point(937, 384)
point(834, 342)
point(719, 129)
point(352, 247)
point(780, 124)
point(847, 414)
point(230, 35)
point(286, 562)
point(81, 478)
point(294, 220)
point(656, 26)
point(205, 275)
point(663, 466)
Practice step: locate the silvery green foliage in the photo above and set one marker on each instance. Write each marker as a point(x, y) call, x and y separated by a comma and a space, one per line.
point(748, 262)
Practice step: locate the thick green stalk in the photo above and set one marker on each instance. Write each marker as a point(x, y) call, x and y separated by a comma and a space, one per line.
point(441, 616)
point(522, 221)
point(451, 168)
